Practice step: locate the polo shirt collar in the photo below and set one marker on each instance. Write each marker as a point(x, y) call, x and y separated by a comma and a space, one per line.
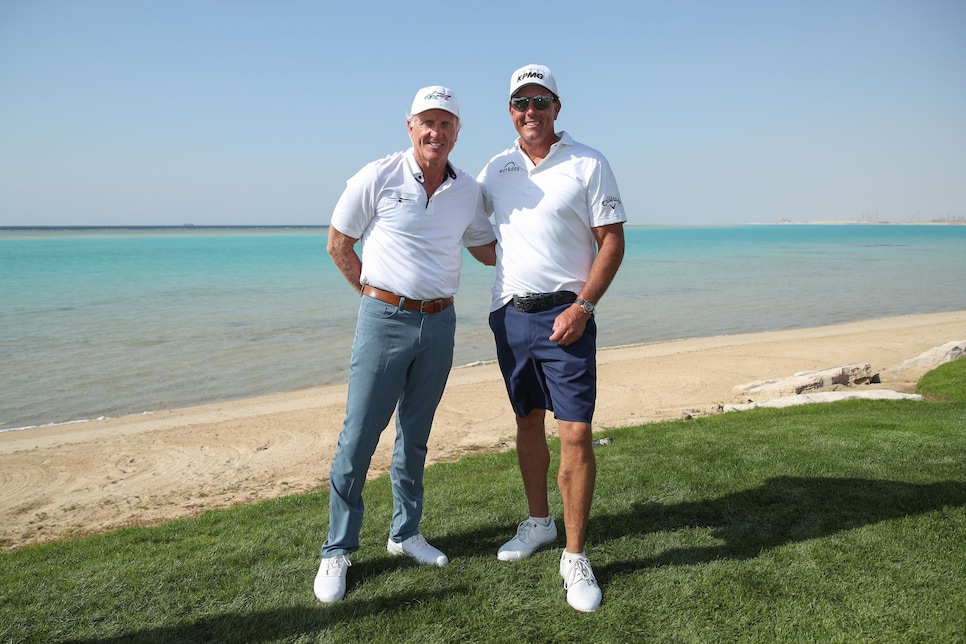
point(565, 139)
point(418, 172)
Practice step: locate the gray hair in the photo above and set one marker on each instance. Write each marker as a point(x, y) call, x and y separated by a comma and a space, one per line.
point(459, 121)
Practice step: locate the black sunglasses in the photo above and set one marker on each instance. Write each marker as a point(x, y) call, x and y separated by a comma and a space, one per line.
point(521, 103)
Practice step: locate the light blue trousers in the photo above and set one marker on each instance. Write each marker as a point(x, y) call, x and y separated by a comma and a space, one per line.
point(400, 362)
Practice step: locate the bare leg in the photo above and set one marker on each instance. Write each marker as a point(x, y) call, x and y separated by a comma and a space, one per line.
point(576, 478)
point(533, 455)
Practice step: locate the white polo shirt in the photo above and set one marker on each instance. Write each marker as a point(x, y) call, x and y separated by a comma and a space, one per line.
point(412, 245)
point(544, 215)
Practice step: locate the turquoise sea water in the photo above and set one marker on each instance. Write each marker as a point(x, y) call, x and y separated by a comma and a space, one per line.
point(104, 322)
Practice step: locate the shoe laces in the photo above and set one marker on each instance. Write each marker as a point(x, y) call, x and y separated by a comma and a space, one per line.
point(418, 541)
point(525, 530)
point(578, 569)
point(335, 565)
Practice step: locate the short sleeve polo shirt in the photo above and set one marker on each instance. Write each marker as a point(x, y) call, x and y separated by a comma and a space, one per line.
point(412, 245)
point(544, 215)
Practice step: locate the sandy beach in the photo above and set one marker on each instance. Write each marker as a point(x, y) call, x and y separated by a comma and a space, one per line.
point(81, 478)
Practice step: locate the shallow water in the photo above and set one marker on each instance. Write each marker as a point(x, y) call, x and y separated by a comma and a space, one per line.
point(104, 322)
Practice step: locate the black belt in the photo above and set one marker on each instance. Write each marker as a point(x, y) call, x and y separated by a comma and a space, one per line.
point(423, 306)
point(533, 302)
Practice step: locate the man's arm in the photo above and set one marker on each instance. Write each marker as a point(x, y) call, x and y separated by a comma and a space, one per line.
point(610, 254)
point(341, 250)
point(570, 324)
point(485, 254)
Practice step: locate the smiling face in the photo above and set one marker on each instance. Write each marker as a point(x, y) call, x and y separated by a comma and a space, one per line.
point(535, 127)
point(434, 134)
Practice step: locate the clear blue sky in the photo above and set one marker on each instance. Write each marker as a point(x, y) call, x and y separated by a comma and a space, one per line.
point(125, 112)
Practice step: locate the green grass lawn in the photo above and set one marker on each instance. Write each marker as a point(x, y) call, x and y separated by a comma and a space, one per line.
point(832, 522)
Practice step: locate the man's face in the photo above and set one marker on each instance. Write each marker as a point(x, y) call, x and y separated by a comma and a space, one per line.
point(433, 133)
point(534, 126)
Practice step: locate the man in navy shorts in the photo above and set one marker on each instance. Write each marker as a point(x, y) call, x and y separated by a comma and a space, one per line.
point(559, 223)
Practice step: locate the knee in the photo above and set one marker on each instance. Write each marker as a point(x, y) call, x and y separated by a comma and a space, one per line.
point(532, 423)
point(575, 435)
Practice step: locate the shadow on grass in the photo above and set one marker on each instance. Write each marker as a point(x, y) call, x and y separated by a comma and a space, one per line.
point(276, 624)
point(783, 510)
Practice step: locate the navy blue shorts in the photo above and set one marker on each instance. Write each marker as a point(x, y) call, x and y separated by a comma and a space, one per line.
point(541, 374)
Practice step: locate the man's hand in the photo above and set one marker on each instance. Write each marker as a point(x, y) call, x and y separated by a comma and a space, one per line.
point(569, 325)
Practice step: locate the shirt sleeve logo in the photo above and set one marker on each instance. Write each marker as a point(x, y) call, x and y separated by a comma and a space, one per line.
point(510, 167)
point(613, 202)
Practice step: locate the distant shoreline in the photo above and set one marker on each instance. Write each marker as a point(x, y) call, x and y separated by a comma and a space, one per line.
point(958, 222)
point(961, 221)
point(170, 227)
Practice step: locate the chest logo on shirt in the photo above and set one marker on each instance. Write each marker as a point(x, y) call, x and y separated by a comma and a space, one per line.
point(613, 202)
point(510, 167)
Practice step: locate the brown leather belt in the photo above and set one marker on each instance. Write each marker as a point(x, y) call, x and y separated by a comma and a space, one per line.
point(423, 306)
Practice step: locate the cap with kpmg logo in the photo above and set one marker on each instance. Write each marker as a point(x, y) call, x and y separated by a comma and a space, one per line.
point(435, 97)
point(533, 75)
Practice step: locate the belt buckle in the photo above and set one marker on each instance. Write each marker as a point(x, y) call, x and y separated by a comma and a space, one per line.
point(529, 302)
point(437, 304)
point(520, 302)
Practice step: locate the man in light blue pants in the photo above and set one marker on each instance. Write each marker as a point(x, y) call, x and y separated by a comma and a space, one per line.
point(396, 355)
point(414, 213)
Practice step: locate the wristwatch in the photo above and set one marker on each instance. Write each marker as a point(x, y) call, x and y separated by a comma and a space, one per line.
point(587, 306)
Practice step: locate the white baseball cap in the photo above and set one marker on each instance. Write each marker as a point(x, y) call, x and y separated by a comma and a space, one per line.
point(435, 97)
point(533, 75)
